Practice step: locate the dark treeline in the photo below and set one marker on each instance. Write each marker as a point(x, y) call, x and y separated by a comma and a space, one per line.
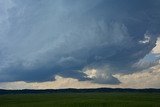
point(30, 91)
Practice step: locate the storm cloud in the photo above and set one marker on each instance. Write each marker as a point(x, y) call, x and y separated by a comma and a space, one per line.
point(41, 39)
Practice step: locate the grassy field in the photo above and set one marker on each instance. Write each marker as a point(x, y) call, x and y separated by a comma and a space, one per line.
point(81, 100)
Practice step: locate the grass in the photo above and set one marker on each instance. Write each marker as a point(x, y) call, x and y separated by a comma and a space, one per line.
point(81, 100)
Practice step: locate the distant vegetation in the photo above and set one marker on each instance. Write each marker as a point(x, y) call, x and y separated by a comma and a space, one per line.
point(81, 98)
point(27, 91)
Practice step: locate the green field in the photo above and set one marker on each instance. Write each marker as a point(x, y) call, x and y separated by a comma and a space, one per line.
point(81, 100)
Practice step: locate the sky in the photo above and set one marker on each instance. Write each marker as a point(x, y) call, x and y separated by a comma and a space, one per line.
point(79, 44)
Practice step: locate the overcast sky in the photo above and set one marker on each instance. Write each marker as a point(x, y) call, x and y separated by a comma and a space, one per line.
point(79, 43)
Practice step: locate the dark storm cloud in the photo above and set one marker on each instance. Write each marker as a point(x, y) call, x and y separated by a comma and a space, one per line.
point(41, 39)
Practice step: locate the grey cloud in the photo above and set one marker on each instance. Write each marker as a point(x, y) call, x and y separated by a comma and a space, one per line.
point(47, 38)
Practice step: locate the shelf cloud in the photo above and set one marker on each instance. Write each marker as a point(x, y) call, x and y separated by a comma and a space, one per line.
point(42, 39)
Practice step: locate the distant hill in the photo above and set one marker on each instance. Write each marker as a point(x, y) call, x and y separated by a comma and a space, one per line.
point(70, 90)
